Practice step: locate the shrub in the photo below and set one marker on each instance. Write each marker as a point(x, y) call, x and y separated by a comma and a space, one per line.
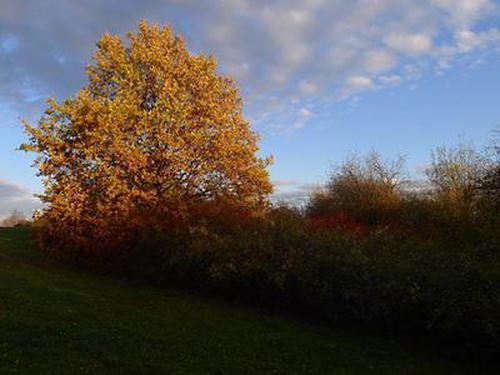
point(363, 189)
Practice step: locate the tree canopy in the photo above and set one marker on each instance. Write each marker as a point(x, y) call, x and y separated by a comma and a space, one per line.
point(154, 128)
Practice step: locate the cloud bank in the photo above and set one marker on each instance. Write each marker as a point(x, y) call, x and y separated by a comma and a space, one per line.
point(13, 197)
point(289, 56)
point(292, 192)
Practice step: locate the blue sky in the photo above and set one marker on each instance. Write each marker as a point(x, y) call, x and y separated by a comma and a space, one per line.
point(320, 78)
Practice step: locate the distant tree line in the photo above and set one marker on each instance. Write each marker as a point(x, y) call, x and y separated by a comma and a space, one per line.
point(16, 218)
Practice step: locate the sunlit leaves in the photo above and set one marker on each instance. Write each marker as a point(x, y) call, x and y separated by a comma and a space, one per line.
point(155, 129)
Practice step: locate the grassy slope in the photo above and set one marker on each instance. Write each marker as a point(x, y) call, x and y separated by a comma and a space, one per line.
point(55, 320)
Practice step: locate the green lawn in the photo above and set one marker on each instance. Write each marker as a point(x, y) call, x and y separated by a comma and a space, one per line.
point(55, 320)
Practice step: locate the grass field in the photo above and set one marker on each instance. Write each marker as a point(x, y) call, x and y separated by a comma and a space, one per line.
point(56, 320)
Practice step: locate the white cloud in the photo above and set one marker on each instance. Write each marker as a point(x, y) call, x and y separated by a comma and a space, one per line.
point(308, 87)
point(354, 85)
point(304, 112)
point(14, 197)
point(390, 80)
point(297, 51)
point(303, 116)
point(285, 183)
point(466, 42)
point(379, 60)
point(293, 192)
point(411, 44)
point(462, 13)
point(359, 83)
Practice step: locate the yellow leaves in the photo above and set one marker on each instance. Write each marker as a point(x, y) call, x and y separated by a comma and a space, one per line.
point(154, 129)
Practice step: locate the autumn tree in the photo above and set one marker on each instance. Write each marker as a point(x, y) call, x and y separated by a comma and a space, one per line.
point(154, 131)
point(365, 188)
point(489, 184)
point(455, 171)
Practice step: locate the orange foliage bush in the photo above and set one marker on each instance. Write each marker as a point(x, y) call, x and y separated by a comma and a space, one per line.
point(338, 221)
point(362, 192)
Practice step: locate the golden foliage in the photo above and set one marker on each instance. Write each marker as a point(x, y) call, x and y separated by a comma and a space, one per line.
point(154, 129)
